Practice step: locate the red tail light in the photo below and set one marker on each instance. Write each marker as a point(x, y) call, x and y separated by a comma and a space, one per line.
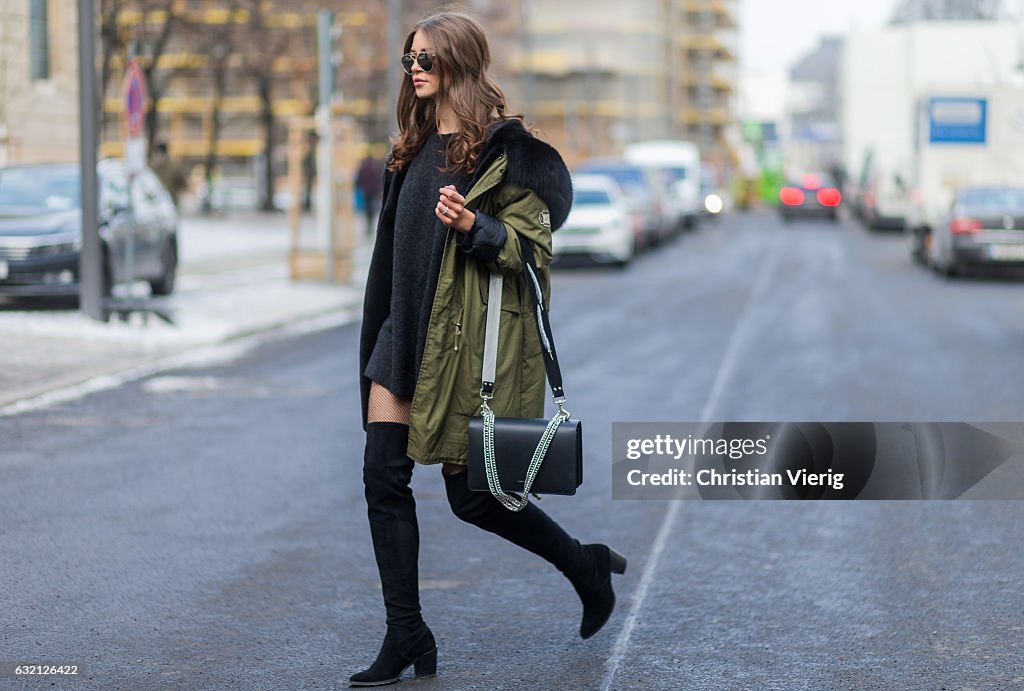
point(964, 226)
point(791, 196)
point(829, 196)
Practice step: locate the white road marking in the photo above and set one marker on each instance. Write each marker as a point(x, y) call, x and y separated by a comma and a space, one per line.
point(739, 336)
point(725, 370)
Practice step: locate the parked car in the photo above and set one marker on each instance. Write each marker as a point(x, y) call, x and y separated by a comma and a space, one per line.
point(881, 197)
point(644, 190)
point(41, 232)
point(599, 222)
point(984, 226)
point(813, 194)
point(679, 163)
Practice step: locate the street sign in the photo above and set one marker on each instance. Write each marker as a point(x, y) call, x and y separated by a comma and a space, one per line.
point(134, 99)
point(134, 118)
point(957, 120)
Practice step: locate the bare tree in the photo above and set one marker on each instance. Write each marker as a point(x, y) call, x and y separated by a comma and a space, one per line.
point(148, 38)
point(110, 40)
point(221, 40)
point(266, 44)
point(153, 35)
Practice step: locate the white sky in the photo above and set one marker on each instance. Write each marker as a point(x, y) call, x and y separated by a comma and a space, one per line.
point(774, 33)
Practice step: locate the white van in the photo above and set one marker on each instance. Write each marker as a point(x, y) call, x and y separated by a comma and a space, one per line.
point(679, 161)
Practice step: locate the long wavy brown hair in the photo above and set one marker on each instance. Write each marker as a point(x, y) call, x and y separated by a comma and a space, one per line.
point(463, 58)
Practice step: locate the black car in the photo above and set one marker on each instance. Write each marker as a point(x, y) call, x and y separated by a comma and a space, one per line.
point(984, 226)
point(814, 194)
point(41, 230)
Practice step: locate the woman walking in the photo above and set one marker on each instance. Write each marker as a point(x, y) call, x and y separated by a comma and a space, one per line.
point(463, 183)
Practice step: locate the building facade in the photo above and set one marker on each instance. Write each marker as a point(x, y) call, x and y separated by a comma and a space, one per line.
point(592, 76)
point(38, 81)
point(910, 11)
point(599, 74)
point(813, 106)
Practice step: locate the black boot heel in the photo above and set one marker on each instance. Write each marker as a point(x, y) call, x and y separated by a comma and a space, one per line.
point(616, 562)
point(426, 665)
point(598, 596)
point(396, 655)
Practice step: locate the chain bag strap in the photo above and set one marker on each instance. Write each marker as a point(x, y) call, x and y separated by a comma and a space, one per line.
point(490, 361)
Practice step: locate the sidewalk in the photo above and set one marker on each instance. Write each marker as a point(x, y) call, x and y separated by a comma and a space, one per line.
point(232, 282)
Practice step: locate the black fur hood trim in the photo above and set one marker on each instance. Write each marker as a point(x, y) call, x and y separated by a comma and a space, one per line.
point(532, 164)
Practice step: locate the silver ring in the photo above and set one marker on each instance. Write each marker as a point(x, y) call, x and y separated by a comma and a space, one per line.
point(444, 210)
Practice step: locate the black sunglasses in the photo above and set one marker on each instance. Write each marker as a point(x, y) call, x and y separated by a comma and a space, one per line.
point(426, 64)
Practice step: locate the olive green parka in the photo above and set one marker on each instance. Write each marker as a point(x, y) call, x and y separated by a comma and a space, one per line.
point(521, 187)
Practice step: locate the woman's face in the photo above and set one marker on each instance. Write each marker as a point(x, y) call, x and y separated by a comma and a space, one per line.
point(426, 84)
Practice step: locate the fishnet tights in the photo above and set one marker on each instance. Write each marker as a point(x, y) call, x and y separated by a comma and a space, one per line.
point(385, 406)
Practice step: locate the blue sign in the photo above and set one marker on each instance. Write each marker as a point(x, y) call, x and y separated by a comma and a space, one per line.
point(957, 120)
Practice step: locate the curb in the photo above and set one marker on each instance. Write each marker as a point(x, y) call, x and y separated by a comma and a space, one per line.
point(225, 350)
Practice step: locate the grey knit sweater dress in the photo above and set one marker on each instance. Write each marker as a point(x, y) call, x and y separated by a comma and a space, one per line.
point(418, 248)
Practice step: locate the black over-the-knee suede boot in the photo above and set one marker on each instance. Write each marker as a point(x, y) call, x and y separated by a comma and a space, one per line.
point(391, 508)
point(588, 567)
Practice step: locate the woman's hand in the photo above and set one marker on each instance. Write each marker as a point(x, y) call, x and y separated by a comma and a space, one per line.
point(450, 209)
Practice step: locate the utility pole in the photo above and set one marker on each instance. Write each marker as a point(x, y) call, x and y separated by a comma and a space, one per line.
point(90, 272)
point(325, 153)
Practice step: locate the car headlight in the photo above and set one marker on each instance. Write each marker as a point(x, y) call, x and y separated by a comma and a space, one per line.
point(713, 203)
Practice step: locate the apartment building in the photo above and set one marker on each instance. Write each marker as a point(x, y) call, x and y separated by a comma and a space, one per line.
point(600, 74)
point(38, 81)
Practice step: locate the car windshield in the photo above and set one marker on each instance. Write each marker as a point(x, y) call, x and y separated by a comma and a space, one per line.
point(672, 175)
point(991, 202)
point(49, 189)
point(583, 197)
point(622, 175)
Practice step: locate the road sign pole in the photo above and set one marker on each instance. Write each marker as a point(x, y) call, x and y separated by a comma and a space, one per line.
point(90, 272)
point(134, 150)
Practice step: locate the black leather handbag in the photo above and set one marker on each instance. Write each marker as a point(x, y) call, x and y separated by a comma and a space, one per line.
point(523, 455)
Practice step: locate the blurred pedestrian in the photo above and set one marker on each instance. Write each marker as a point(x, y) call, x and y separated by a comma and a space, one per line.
point(309, 170)
point(464, 181)
point(369, 182)
point(171, 173)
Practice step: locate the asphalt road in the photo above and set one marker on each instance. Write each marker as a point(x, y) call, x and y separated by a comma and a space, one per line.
point(206, 528)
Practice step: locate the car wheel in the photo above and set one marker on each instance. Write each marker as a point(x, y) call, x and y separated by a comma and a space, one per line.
point(624, 261)
point(165, 284)
point(920, 248)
